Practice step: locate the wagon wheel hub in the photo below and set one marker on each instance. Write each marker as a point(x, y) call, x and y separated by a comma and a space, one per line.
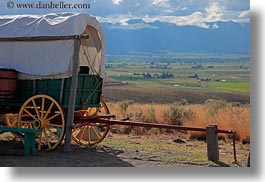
point(43, 124)
point(37, 124)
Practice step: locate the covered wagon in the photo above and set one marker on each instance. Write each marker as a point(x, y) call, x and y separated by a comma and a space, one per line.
point(51, 69)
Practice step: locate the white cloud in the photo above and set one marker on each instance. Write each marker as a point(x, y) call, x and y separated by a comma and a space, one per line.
point(210, 11)
point(183, 8)
point(215, 7)
point(117, 2)
point(244, 14)
point(115, 19)
point(136, 26)
point(214, 12)
point(215, 26)
point(195, 19)
point(163, 3)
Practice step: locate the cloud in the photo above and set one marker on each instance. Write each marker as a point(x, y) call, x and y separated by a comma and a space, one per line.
point(136, 26)
point(215, 26)
point(127, 22)
point(214, 12)
point(244, 14)
point(117, 2)
point(203, 13)
point(195, 19)
point(116, 19)
point(162, 3)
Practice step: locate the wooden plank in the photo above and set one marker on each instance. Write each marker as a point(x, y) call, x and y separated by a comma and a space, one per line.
point(72, 97)
point(43, 38)
point(212, 143)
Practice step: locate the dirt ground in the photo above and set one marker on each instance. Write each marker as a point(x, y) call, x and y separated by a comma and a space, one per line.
point(121, 151)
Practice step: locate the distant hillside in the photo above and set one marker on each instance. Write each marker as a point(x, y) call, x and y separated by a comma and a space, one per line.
point(221, 38)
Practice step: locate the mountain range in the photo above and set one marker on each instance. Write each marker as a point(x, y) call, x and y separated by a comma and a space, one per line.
point(160, 37)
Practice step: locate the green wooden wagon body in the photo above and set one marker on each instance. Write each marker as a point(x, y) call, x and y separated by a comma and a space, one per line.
point(88, 94)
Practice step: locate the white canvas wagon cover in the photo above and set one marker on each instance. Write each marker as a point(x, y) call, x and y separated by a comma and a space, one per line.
point(41, 59)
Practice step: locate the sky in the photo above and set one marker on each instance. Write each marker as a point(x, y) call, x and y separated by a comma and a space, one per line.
point(177, 12)
point(119, 13)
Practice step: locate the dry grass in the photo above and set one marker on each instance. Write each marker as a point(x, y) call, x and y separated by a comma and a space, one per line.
point(228, 116)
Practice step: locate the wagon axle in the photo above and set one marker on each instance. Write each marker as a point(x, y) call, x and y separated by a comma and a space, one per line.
point(81, 121)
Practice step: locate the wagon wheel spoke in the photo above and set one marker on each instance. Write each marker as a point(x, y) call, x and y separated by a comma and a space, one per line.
point(31, 115)
point(82, 133)
point(25, 124)
point(30, 125)
point(52, 133)
point(92, 133)
point(96, 132)
point(53, 117)
point(13, 124)
point(89, 111)
point(88, 135)
point(39, 141)
point(11, 120)
point(42, 106)
point(34, 113)
point(36, 109)
point(48, 111)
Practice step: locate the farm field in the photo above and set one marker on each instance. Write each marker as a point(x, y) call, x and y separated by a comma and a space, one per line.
point(199, 74)
point(164, 96)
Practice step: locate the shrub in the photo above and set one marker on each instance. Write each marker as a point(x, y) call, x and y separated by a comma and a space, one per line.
point(138, 114)
point(213, 105)
point(124, 106)
point(150, 115)
point(183, 102)
point(176, 114)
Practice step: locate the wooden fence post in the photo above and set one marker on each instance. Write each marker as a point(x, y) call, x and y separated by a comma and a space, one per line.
point(212, 143)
